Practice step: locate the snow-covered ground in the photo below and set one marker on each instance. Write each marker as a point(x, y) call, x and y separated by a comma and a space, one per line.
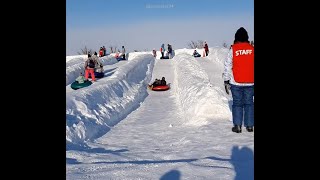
point(118, 129)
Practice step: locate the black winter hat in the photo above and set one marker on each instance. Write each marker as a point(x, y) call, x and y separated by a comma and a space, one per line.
point(241, 35)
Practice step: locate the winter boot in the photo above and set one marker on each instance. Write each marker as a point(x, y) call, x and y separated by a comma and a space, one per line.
point(236, 129)
point(249, 128)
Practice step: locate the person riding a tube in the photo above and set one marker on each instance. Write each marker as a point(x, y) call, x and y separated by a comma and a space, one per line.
point(163, 82)
point(196, 54)
point(81, 79)
point(158, 82)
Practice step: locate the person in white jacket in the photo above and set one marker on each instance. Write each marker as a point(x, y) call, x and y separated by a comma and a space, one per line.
point(98, 63)
point(239, 75)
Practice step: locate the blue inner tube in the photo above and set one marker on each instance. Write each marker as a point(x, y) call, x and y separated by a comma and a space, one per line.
point(97, 75)
point(120, 58)
point(75, 85)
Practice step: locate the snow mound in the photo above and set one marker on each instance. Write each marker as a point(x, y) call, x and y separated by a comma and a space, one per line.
point(198, 98)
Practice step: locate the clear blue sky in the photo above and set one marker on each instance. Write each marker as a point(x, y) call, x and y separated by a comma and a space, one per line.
point(86, 15)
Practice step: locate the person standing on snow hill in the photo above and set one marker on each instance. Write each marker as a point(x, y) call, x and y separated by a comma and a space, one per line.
point(206, 48)
point(104, 51)
point(239, 74)
point(154, 52)
point(98, 64)
point(169, 51)
point(123, 51)
point(89, 68)
point(162, 50)
point(100, 52)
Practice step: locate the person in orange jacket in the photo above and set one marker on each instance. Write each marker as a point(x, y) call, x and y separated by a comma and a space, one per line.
point(239, 75)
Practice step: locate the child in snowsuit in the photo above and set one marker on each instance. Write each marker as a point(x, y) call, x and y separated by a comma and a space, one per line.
point(81, 78)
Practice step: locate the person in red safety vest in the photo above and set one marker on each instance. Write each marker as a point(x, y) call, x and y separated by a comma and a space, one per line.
point(239, 77)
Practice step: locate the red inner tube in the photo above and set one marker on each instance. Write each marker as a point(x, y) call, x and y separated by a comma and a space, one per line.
point(161, 88)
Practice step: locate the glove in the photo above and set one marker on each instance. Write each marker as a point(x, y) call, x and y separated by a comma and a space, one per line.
point(227, 86)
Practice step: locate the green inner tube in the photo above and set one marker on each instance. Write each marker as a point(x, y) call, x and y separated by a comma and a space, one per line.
point(75, 85)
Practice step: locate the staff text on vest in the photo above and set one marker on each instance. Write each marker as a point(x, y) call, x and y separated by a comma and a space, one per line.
point(243, 52)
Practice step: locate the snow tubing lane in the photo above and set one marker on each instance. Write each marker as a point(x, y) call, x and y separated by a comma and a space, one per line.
point(75, 85)
point(161, 88)
point(97, 75)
